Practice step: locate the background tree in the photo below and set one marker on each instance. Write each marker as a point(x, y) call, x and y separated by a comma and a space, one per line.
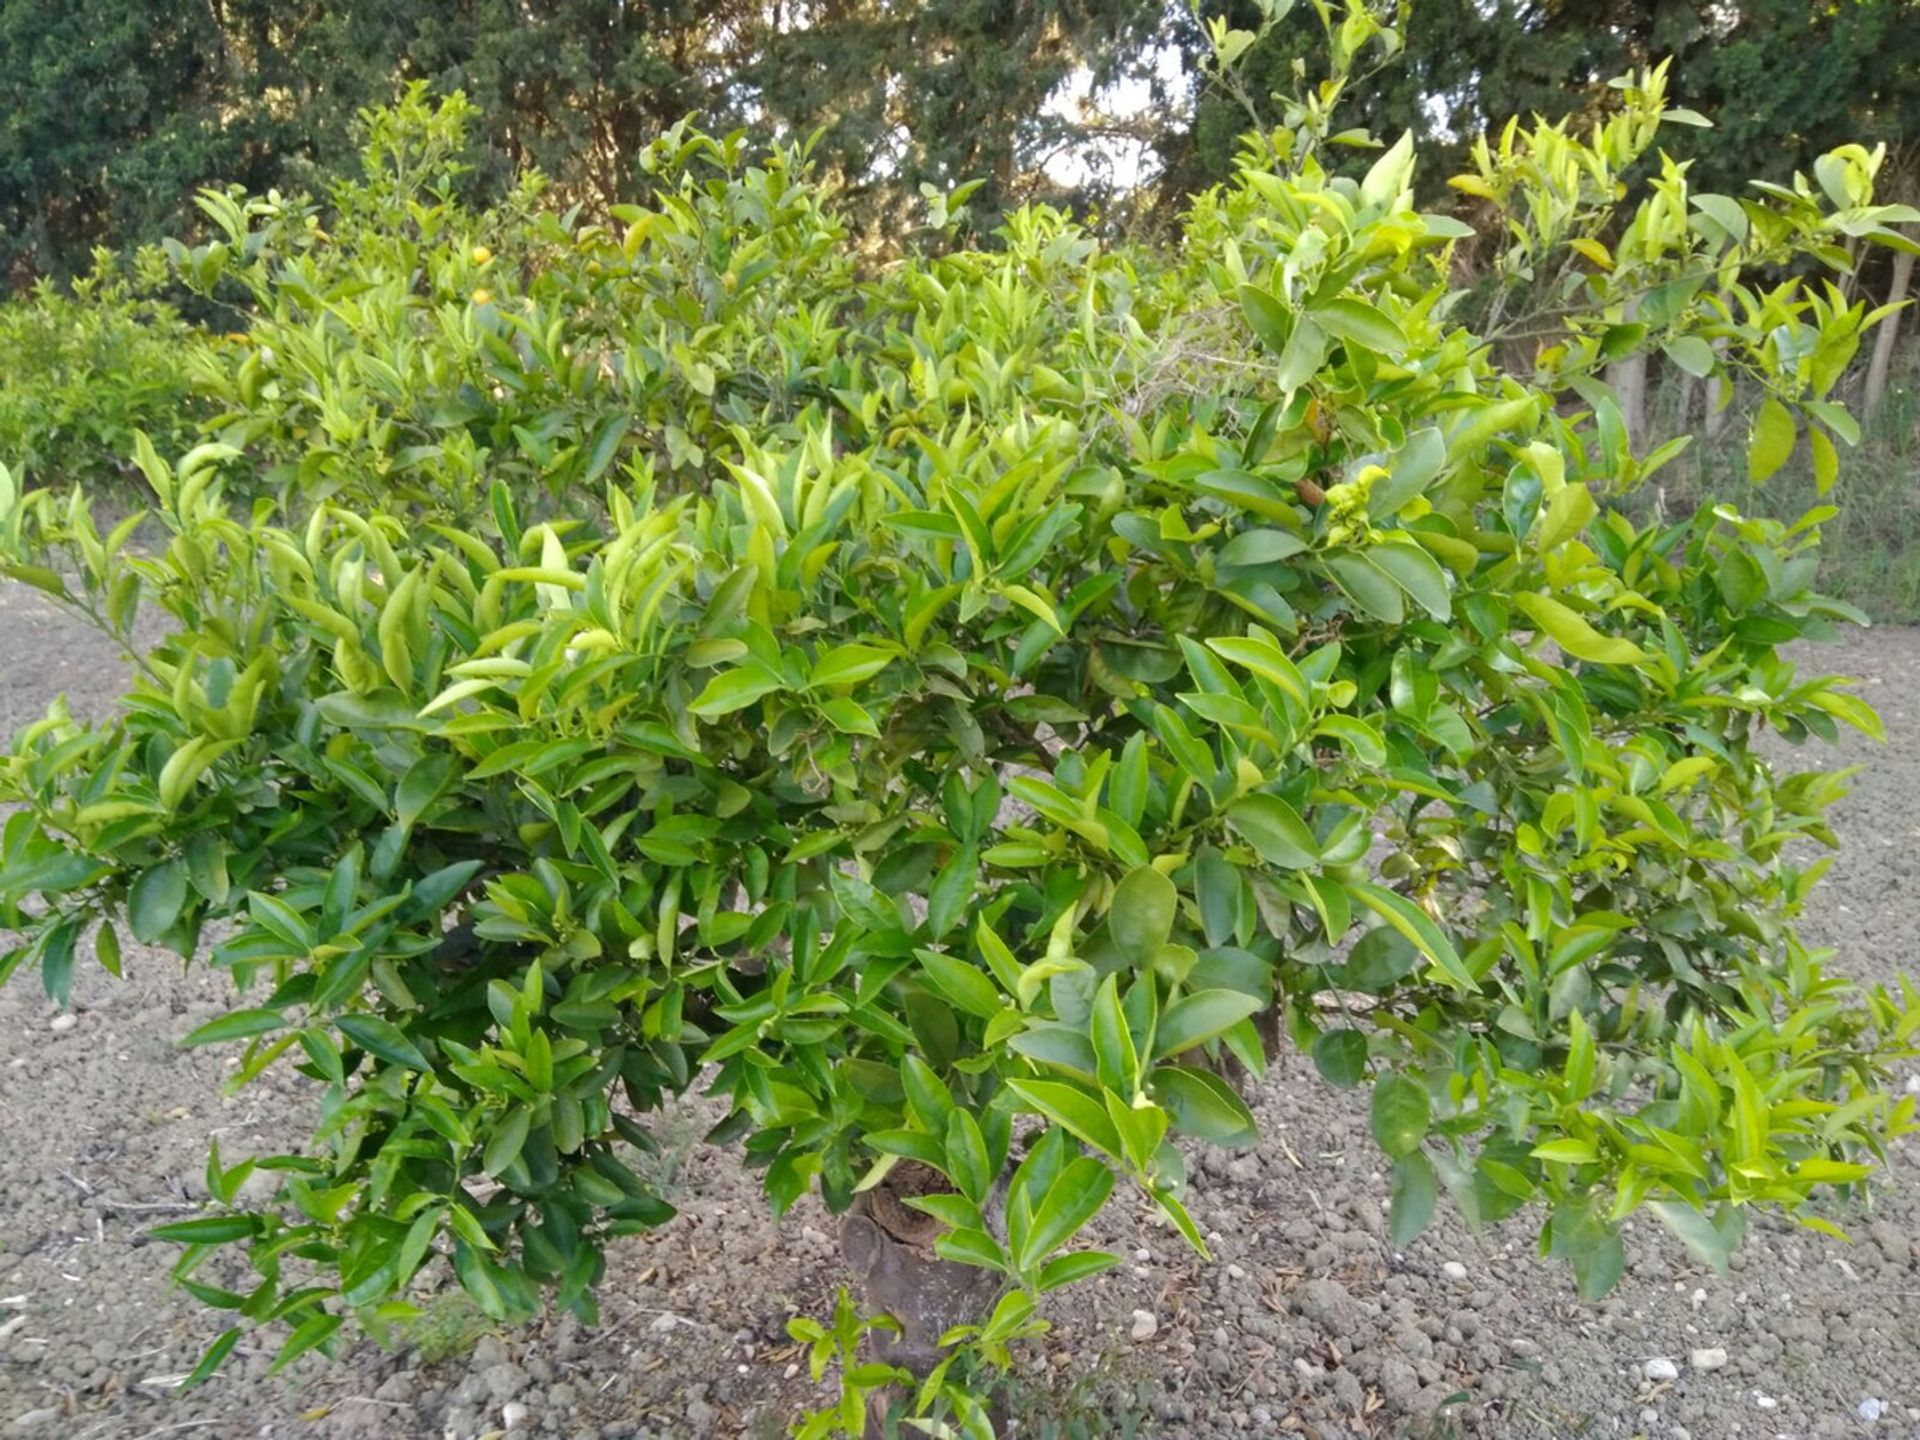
point(263, 94)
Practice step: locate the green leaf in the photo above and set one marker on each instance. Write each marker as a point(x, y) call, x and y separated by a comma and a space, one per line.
point(1571, 632)
point(1305, 353)
point(1597, 1268)
point(155, 901)
point(1417, 926)
point(1073, 1109)
point(1372, 591)
point(733, 690)
point(1362, 324)
point(1073, 1199)
point(849, 717)
point(1696, 1231)
point(1409, 473)
point(1260, 654)
point(1275, 830)
point(211, 1362)
point(962, 983)
point(426, 779)
point(1271, 320)
point(966, 1153)
point(1725, 212)
point(236, 1025)
point(1115, 1062)
point(208, 1230)
point(971, 1247)
point(508, 1139)
point(1261, 547)
point(1203, 1105)
point(308, 1335)
point(849, 665)
point(1140, 920)
point(1691, 354)
point(1401, 1114)
point(382, 1038)
point(1772, 440)
point(1826, 461)
point(1380, 959)
point(1070, 1268)
point(1417, 573)
point(1195, 1019)
point(606, 442)
point(1415, 1190)
point(1341, 1057)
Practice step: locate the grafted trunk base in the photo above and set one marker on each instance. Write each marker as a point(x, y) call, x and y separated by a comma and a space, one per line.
point(889, 1249)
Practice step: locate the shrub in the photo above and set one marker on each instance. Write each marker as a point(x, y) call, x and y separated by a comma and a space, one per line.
point(88, 366)
point(949, 704)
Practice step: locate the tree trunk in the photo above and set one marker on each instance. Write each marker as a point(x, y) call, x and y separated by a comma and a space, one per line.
point(1683, 404)
point(889, 1249)
point(1889, 333)
point(1628, 378)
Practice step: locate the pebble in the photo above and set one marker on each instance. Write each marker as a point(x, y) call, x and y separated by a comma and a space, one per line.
point(505, 1380)
point(1871, 1409)
point(34, 1419)
point(513, 1415)
point(1765, 1402)
point(1660, 1369)
point(1145, 1327)
point(63, 1022)
point(1710, 1359)
point(1454, 1270)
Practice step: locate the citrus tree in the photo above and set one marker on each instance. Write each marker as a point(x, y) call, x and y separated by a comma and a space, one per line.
point(948, 705)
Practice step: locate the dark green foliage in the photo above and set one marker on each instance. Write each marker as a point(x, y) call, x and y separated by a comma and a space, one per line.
point(261, 93)
point(947, 704)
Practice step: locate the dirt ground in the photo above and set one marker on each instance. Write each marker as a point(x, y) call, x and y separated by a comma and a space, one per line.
point(1307, 1322)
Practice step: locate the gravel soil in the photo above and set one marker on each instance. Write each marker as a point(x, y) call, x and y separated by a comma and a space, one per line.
point(1307, 1322)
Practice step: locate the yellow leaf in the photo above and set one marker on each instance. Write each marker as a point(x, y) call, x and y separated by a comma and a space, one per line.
point(1593, 250)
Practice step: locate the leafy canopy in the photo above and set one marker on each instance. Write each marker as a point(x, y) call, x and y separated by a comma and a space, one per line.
point(946, 707)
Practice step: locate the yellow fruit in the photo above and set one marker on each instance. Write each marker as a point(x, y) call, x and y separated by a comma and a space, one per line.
point(481, 254)
point(483, 297)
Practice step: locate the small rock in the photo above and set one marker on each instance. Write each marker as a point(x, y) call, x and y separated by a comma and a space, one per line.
point(34, 1419)
point(1327, 1303)
point(1660, 1369)
point(664, 1322)
point(1454, 1270)
point(504, 1381)
point(1871, 1409)
point(396, 1389)
point(1234, 1272)
point(1709, 1359)
point(1145, 1327)
point(1399, 1383)
point(63, 1022)
point(513, 1415)
point(1765, 1402)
